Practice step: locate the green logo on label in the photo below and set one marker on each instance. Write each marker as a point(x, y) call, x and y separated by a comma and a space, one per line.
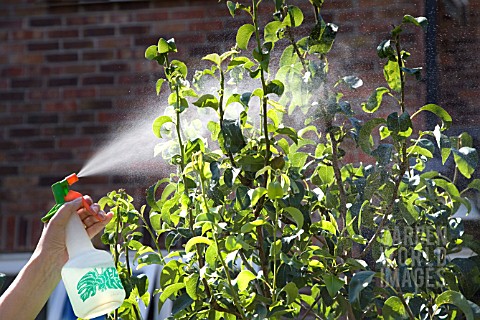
point(94, 280)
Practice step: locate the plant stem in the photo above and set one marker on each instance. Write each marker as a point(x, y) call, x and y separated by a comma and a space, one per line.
point(338, 178)
point(236, 299)
point(264, 86)
point(402, 74)
point(259, 207)
point(295, 47)
point(400, 296)
point(274, 254)
point(403, 160)
point(149, 230)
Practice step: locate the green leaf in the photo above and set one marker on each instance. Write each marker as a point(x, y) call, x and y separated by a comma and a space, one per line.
point(292, 292)
point(158, 123)
point(394, 309)
point(271, 31)
point(326, 174)
point(163, 46)
point(196, 240)
point(234, 141)
point(297, 215)
point(257, 194)
point(191, 284)
point(475, 184)
point(359, 281)
point(365, 140)
point(352, 82)
point(181, 303)
point(385, 50)
point(211, 255)
point(466, 159)
point(231, 8)
point(290, 132)
point(243, 279)
point(158, 85)
point(151, 52)
point(275, 86)
point(207, 101)
point(246, 228)
point(324, 44)
point(166, 46)
point(328, 226)
point(417, 72)
point(419, 21)
point(243, 35)
point(375, 100)
point(180, 67)
point(289, 57)
point(294, 17)
point(213, 57)
point(391, 73)
point(333, 284)
point(439, 112)
point(458, 300)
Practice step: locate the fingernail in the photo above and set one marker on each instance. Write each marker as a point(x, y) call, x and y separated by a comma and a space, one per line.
point(95, 208)
point(101, 214)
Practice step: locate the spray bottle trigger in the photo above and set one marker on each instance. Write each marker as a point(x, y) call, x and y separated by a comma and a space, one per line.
point(72, 195)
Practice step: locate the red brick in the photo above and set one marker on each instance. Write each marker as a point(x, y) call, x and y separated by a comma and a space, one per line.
point(79, 93)
point(59, 130)
point(134, 30)
point(12, 71)
point(43, 46)
point(40, 144)
point(45, 94)
point(63, 33)
point(42, 118)
point(78, 44)
point(45, 22)
point(92, 80)
point(98, 55)
point(60, 106)
point(12, 96)
point(61, 82)
point(78, 118)
point(26, 83)
point(134, 5)
point(9, 120)
point(99, 32)
point(114, 67)
point(26, 34)
point(83, 20)
point(56, 155)
point(202, 26)
point(189, 13)
point(75, 142)
point(10, 231)
point(152, 16)
point(62, 57)
point(79, 69)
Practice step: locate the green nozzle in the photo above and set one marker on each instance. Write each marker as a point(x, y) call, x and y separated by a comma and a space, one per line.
point(60, 189)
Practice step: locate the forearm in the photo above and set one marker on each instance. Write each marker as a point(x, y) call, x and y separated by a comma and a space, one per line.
point(29, 292)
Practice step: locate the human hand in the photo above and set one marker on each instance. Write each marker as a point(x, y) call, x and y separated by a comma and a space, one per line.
point(52, 242)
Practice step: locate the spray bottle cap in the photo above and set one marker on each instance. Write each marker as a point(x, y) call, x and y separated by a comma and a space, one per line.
point(62, 193)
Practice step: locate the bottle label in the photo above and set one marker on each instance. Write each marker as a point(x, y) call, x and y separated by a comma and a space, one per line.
point(98, 279)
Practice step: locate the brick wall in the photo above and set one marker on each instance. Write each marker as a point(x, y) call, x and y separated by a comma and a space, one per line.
point(71, 73)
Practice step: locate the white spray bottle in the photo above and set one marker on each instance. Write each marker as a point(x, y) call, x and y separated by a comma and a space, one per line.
point(90, 276)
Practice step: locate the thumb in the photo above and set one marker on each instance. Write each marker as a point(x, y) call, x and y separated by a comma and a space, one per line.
point(66, 210)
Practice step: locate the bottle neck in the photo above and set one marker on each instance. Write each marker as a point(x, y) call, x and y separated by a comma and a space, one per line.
point(77, 240)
